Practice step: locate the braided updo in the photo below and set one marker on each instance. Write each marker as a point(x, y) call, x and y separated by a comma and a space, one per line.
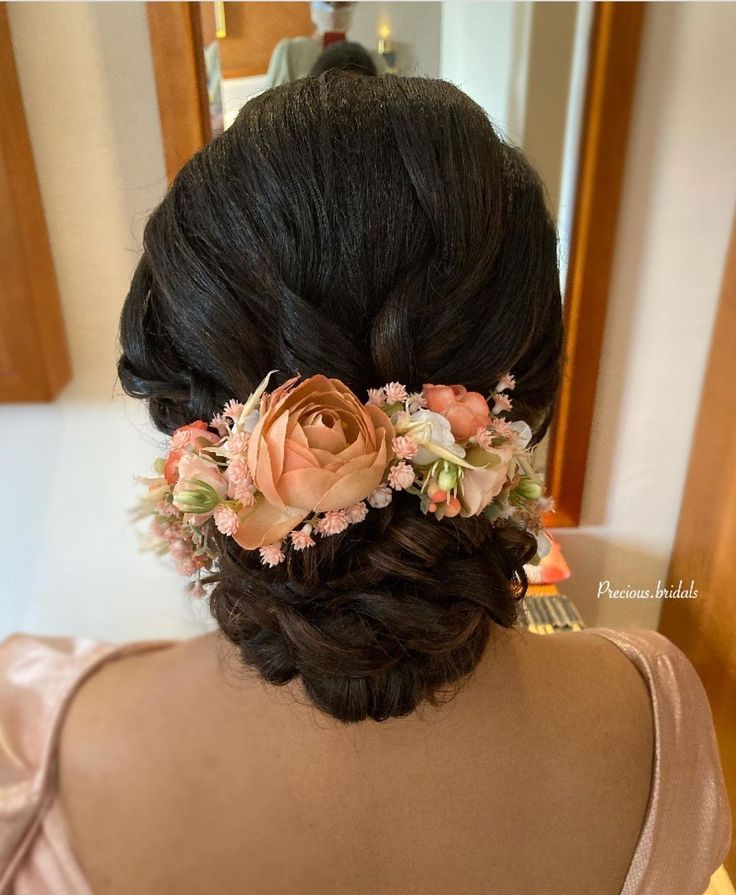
point(373, 230)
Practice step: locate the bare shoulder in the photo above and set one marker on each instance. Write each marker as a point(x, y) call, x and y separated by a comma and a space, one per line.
point(108, 699)
point(599, 714)
point(603, 684)
point(587, 726)
point(123, 755)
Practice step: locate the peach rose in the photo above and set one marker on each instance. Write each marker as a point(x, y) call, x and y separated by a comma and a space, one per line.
point(314, 448)
point(478, 486)
point(466, 411)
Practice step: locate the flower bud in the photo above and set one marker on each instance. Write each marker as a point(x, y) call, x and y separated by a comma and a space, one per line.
point(528, 488)
point(198, 498)
point(447, 479)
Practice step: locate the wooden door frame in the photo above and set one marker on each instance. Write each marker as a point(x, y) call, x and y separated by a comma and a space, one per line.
point(610, 81)
point(34, 357)
point(615, 42)
point(181, 80)
point(706, 534)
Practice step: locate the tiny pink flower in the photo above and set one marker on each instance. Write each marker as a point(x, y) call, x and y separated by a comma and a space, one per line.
point(243, 494)
point(356, 512)
point(502, 427)
point(226, 519)
point(401, 476)
point(302, 538)
point(191, 565)
point(333, 523)
point(233, 409)
point(376, 396)
point(187, 567)
point(506, 383)
point(381, 497)
point(395, 391)
point(483, 438)
point(501, 403)
point(163, 508)
point(546, 504)
point(172, 532)
point(404, 447)
point(415, 402)
point(238, 472)
point(237, 443)
point(271, 555)
point(181, 549)
point(219, 423)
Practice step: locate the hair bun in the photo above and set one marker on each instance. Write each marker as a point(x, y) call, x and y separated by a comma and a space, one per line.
point(373, 230)
point(377, 619)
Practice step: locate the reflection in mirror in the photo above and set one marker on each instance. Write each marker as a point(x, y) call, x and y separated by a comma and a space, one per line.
point(524, 63)
point(529, 75)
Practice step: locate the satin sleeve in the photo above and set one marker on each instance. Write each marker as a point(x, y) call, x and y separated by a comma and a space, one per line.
point(38, 676)
point(687, 829)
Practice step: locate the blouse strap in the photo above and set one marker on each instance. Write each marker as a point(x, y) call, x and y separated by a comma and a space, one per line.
point(38, 679)
point(687, 829)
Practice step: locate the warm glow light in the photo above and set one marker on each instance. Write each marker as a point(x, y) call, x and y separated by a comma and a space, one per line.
point(384, 32)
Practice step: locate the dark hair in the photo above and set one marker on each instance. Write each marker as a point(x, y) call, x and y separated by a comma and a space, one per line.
point(345, 56)
point(373, 230)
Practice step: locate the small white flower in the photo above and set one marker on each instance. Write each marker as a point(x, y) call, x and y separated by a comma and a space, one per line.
point(381, 497)
point(415, 402)
point(249, 423)
point(425, 427)
point(523, 432)
point(544, 545)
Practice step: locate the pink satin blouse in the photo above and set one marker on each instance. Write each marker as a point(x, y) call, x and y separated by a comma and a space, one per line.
point(685, 837)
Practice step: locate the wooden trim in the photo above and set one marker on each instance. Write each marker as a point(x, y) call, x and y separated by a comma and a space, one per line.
point(34, 358)
point(706, 534)
point(614, 55)
point(181, 81)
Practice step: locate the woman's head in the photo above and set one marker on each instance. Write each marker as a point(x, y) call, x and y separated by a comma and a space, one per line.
point(347, 57)
point(372, 230)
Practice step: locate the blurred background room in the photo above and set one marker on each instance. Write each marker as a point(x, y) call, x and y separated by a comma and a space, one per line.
point(628, 111)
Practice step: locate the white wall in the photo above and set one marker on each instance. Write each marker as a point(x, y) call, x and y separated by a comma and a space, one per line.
point(69, 557)
point(485, 48)
point(414, 28)
point(677, 206)
point(525, 64)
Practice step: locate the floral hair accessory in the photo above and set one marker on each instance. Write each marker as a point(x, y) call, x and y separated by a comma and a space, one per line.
point(309, 459)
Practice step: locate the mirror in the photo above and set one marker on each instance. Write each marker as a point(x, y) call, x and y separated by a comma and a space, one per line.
point(556, 79)
point(529, 75)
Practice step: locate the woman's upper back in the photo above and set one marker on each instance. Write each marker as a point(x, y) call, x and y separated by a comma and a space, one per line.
point(537, 777)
